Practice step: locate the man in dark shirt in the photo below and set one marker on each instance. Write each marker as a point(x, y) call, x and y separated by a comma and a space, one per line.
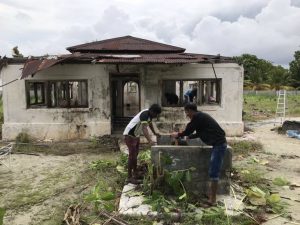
point(210, 132)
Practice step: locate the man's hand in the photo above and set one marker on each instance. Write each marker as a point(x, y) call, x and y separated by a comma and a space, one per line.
point(174, 134)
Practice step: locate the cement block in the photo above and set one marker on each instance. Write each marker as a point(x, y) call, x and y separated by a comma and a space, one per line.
point(185, 157)
point(168, 140)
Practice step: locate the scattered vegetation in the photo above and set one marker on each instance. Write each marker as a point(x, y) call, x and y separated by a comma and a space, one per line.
point(250, 176)
point(165, 192)
point(271, 202)
point(244, 148)
point(23, 137)
point(280, 181)
point(2, 212)
point(259, 107)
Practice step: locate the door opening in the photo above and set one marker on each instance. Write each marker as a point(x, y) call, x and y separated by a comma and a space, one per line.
point(125, 99)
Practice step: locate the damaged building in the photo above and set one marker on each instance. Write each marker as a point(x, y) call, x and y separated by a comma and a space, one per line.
point(99, 86)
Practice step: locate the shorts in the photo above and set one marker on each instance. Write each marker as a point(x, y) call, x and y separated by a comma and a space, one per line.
point(216, 161)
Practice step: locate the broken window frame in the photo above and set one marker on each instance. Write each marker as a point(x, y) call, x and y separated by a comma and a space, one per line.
point(51, 99)
point(201, 99)
point(39, 98)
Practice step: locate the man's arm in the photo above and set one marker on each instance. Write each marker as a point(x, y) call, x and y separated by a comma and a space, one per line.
point(189, 130)
point(144, 121)
point(153, 130)
point(146, 133)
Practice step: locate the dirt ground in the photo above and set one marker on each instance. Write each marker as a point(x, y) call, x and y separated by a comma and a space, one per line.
point(38, 188)
point(283, 155)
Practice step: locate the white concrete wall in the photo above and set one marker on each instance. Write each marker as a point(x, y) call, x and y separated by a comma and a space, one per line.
point(62, 123)
point(59, 124)
point(228, 113)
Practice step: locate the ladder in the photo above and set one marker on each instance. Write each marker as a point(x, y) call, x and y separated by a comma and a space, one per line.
point(281, 108)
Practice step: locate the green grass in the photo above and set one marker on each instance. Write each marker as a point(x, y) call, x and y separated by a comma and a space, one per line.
point(259, 107)
point(244, 148)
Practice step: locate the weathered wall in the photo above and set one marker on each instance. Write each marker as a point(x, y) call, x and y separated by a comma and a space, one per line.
point(45, 123)
point(228, 114)
point(62, 123)
point(198, 157)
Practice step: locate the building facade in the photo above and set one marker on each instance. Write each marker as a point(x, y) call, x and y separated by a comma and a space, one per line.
point(99, 86)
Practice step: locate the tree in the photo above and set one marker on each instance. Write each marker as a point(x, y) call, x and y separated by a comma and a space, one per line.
point(279, 76)
point(16, 53)
point(295, 69)
point(256, 70)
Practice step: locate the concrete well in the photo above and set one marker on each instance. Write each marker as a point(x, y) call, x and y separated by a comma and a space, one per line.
point(192, 153)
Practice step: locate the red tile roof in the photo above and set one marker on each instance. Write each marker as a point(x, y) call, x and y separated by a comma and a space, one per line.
point(126, 44)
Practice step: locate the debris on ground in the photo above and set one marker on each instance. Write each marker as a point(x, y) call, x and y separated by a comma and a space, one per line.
point(289, 156)
point(72, 215)
point(288, 125)
point(293, 134)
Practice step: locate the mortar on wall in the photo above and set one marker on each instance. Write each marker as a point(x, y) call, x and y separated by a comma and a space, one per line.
point(192, 153)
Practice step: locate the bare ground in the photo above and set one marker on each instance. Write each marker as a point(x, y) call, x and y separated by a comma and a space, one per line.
point(38, 189)
point(283, 154)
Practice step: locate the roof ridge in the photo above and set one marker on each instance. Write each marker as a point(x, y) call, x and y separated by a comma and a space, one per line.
point(104, 40)
point(145, 41)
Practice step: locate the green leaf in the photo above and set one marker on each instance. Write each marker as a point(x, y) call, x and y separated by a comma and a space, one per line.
point(256, 196)
point(255, 160)
point(182, 196)
point(2, 212)
point(90, 197)
point(258, 192)
point(280, 181)
point(109, 207)
point(107, 196)
point(188, 176)
point(121, 169)
point(274, 198)
point(166, 160)
point(167, 210)
point(257, 200)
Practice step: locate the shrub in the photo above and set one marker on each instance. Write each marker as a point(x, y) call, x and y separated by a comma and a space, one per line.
point(23, 137)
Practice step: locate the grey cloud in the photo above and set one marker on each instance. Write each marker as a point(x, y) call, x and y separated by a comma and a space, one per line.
point(23, 16)
point(18, 4)
point(232, 12)
point(267, 28)
point(295, 3)
point(113, 22)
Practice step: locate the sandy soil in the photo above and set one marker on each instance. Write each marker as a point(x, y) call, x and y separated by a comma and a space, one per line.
point(283, 154)
point(37, 189)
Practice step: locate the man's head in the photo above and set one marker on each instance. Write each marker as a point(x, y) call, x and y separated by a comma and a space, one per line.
point(190, 109)
point(154, 110)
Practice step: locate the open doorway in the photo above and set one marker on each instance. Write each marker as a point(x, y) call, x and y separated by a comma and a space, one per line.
point(125, 99)
point(131, 99)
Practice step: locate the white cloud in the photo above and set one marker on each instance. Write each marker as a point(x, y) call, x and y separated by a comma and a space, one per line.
point(267, 28)
point(114, 22)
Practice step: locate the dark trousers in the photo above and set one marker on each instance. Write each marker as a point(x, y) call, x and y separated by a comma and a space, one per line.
point(133, 144)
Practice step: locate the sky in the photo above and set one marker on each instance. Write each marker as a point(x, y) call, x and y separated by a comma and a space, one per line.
point(269, 29)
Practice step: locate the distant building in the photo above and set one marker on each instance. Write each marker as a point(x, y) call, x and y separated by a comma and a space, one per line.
point(99, 86)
